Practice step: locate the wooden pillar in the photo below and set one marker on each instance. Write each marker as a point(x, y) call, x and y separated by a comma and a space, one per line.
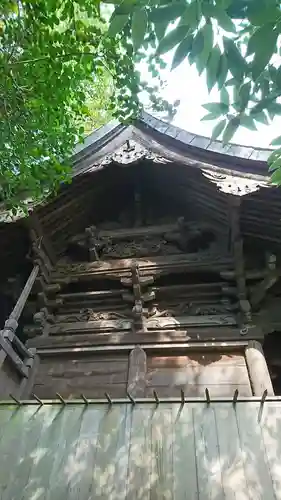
point(238, 255)
point(258, 370)
point(137, 372)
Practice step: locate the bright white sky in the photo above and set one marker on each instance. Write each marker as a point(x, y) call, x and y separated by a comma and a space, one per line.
point(185, 84)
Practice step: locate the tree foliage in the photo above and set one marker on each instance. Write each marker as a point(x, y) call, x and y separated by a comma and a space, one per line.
point(235, 43)
point(57, 55)
point(58, 68)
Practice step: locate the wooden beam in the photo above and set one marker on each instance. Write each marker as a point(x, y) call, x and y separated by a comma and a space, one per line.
point(137, 372)
point(215, 346)
point(237, 251)
point(196, 334)
point(258, 370)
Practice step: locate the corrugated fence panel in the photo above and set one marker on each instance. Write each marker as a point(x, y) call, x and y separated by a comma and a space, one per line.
point(143, 451)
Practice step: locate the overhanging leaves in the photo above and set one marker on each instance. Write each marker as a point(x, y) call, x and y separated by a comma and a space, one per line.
point(139, 24)
point(218, 129)
point(182, 51)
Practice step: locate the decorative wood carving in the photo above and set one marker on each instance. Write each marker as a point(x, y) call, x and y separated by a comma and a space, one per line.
point(235, 184)
point(132, 152)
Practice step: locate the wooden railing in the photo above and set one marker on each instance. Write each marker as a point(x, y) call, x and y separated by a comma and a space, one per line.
point(10, 345)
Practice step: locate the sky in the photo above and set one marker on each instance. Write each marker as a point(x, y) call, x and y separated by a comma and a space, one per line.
point(185, 84)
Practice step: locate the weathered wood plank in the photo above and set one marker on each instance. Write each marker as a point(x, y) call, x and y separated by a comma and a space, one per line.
point(270, 423)
point(197, 359)
point(231, 455)
point(29, 453)
point(38, 481)
point(63, 451)
point(256, 466)
point(13, 442)
point(137, 372)
point(184, 463)
point(204, 375)
point(108, 453)
point(140, 476)
point(162, 455)
point(208, 465)
point(84, 457)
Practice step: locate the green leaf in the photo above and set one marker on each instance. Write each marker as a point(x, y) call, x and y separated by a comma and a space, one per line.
point(208, 39)
point(224, 20)
point(212, 67)
point(202, 47)
point(230, 130)
point(182, 51)
point(167, 13)
point(248, 122)
point(260, 13)
point(191, 17)
point(222, 71)
point(244, 95)
point(264, 53)
point(210, 116)
point(160, 30)
point(276, 177)
point(117, 23)
point(139, 25)
point(218, 129)
point(274, 107)
point(260, 117)
point(219, 108)
point(276, 141)
point(275, 164)
point(172, 39)
point(224, 97)
point(256, 39)
point(275, 155)
point(235, 61)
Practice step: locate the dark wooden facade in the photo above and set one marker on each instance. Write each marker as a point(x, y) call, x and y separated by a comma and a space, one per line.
point(155, 273)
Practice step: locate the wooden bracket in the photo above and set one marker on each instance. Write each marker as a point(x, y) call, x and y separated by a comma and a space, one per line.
point(93, 251)
point(138, 313)
point(259, 291)
point(137, 372)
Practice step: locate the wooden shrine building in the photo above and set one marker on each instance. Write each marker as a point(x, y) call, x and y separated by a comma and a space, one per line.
point(154, 274)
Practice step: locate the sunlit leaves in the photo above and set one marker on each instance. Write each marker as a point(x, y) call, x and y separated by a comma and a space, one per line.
point(139, 24)
point(276, 141)
point(218, 129)
point(182, 50)
point(236, 63)
point(218, 108)
point(172, 39)
point(117, 23)
point(230, 130)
